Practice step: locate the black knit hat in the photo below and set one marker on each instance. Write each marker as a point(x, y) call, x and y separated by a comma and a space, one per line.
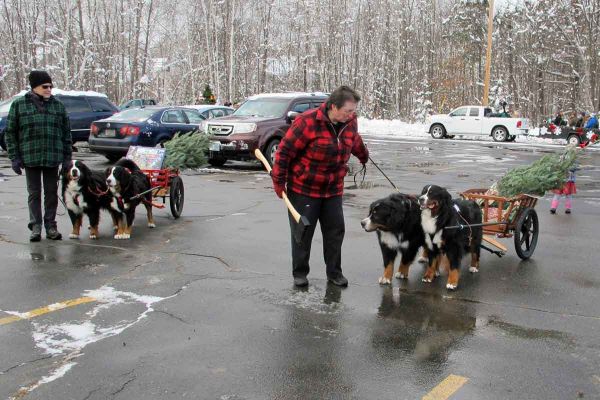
point(37, 78)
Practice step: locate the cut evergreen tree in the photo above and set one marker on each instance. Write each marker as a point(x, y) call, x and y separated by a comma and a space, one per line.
point(187, 150)
point(548, 173)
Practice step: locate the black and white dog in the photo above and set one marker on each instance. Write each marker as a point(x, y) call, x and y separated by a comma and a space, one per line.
point(439, 211)
point(126, 182)
point(397, 220)
point(84, 192)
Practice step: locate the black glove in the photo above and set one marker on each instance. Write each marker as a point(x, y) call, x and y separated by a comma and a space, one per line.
point(17, 164)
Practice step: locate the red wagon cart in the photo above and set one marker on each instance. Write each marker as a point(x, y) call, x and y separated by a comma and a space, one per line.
point(166, 183)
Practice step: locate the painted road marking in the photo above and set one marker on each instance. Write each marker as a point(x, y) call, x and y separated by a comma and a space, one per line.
point(446, 388)
point(45, 310)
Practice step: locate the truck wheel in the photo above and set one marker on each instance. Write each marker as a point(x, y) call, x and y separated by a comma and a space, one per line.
point(271, 149)
point(217, 162)
point(438, 131)
point(573, 140)
point(500, 134)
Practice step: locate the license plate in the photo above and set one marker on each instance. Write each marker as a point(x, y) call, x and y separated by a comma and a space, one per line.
point(214, 146)
point(110, 133)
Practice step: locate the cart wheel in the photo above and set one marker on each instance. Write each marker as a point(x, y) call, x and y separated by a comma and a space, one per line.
point(526, 233)
point(176, 196)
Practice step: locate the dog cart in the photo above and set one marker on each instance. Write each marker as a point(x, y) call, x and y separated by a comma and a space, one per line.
point(505, 217)
point(165, 182)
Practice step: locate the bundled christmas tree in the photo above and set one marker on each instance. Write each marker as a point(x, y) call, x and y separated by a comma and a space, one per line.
point(548, 173)
point(187, 150)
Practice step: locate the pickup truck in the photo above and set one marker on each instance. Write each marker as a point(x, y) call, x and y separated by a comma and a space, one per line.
point(476, 120)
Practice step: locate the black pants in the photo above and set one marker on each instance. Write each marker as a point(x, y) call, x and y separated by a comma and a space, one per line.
point(35, 176)
point(329, 213)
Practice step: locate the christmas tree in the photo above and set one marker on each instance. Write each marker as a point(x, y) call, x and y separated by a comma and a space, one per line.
point(548, 173)
point(187, 150)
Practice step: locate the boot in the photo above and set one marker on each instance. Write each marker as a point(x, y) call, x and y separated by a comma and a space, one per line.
point(53, 234)
point(36, 233)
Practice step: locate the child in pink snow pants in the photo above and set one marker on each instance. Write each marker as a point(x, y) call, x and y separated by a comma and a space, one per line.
point(568, 190)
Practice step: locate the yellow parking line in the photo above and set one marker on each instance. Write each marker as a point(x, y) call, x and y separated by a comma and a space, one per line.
point(446, 388)
point(45, 310)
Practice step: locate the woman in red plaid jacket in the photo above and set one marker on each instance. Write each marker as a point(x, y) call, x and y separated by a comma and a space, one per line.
point(310, 165)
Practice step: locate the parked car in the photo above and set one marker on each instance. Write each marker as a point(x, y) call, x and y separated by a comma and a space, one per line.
point(149, 126)
point(83, 108)
point(136, 103)
point(476, 120)
point(211, 111)
point(260, 122)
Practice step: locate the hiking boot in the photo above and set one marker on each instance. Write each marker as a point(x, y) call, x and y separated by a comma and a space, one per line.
point(552, 211)
point(568, 211)
point(340, 280)
point(36, 233)
point(53, 234)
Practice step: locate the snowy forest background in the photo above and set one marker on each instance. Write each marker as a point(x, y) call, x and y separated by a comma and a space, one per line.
point(405, 57)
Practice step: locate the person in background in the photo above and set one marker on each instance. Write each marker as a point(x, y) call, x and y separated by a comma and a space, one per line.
point(558, 120)
point(310, 166)
point(592, 123)
point(38, 138)
point(573, 119)
point(568, 190)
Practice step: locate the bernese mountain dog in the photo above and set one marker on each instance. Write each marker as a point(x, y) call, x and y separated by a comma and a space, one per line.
point(397, 220)
point(127, 182)
point(84, 192)
point(439, 211)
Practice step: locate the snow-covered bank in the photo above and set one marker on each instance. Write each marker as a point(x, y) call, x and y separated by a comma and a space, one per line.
point(391, 127)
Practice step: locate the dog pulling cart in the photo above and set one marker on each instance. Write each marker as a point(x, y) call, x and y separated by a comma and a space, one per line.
point(505, 217)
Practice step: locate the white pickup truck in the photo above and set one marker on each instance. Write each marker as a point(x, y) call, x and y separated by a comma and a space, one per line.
point(476, 120)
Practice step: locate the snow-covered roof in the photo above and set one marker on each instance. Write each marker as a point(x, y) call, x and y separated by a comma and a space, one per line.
point(286, 95)
point(56, 91)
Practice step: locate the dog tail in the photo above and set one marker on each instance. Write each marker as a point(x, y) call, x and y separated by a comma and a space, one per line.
point(127, 163)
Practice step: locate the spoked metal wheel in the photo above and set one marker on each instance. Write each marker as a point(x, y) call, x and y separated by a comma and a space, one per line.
point(438, 131)
point(176, 196)
point(526, 233)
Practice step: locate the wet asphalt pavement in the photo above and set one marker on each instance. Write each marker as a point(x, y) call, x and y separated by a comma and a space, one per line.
point(203, 307)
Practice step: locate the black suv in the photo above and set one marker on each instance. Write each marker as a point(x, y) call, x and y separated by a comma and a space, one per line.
point(260, 122)
point(83, 109)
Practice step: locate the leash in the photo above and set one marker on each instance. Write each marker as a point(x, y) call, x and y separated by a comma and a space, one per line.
point(383, 173)
point(364, 173)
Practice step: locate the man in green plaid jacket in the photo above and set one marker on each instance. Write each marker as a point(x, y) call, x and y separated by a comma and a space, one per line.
point(38, 138)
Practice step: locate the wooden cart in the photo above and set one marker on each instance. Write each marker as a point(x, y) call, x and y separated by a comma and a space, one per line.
point(505, 217)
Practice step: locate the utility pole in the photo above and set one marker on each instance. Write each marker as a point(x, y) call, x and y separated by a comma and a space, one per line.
point(488, 54)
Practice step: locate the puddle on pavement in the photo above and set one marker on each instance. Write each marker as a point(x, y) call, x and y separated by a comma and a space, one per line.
point(310, 299)
point(529, 333)
point(427, 327)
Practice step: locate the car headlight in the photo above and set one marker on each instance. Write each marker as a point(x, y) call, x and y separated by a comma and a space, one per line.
point(244, 128)
point(202, 127)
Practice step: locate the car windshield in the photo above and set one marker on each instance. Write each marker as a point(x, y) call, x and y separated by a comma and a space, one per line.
point(272, 108)
point(134, 115)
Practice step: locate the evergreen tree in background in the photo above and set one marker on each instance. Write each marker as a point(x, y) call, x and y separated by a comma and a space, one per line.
point(209, 97)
